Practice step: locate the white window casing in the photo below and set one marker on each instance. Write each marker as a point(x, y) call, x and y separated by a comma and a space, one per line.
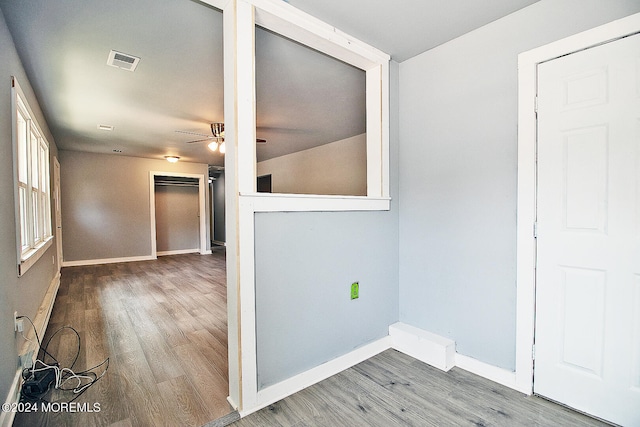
point(32, 183)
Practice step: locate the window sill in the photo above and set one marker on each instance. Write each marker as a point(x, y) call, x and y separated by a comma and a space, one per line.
point(276, 202)
point(29, 258)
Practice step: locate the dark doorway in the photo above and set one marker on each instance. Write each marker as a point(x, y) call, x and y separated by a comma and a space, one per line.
point(264, 184)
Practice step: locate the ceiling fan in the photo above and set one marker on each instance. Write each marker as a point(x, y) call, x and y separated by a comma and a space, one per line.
point(216, 138)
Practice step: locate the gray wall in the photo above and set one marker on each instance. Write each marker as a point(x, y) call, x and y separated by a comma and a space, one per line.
point(458, 166)
point(24, 294)
point(305, 264)
point(105, 204)
point(177, 219)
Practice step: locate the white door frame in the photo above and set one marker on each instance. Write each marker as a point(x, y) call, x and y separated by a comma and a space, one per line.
point(526, 209)
point(202, 207)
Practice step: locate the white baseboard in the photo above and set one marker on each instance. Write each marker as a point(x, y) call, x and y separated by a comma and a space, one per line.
point(430, 348)
point(440, 352)
point(6, 417)
point(294, 384)
point(485, 370)
point(40, 322)
point(233, 404)
point(425, 346)
point(178, 252)
point(107, 261)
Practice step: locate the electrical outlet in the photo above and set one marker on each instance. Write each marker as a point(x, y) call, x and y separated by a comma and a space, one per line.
point(17, 323)
point(355, 290)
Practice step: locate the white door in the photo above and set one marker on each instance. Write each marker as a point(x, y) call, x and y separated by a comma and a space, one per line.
point(57, 210)
point(587, 337)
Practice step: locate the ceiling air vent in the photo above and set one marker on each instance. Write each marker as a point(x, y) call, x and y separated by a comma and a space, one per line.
point(122, 60)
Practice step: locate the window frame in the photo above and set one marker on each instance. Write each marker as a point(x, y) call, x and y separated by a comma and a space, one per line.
point(34, 232)
point(240, 18)
point(290, 23)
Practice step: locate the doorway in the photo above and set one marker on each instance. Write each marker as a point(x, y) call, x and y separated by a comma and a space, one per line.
point(177, 222)
point(588, 231)
point(584, 297)
point(202, 211)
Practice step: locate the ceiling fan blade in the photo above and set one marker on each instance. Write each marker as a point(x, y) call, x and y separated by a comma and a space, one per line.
point(200, 140)
point(193, 133)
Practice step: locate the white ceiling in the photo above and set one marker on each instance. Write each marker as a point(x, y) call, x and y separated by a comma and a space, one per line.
point(303, 98)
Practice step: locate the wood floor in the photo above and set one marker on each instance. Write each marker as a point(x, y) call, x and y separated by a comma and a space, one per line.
point(392, 389)
point(162, 324)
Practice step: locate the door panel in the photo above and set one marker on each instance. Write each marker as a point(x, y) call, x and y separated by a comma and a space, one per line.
point(585, 179)
point(582, 307)
point(588, 247)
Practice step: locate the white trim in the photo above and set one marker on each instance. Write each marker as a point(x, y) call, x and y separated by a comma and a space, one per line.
point(40, 322)
point(218, 4)
point(240, 18)
point(107, 261)
point(526, 208)
point(439, 352)
point(178, 252)
point(43, 314)
point(202, 207)
point(273, 202)
point(430, 348)
point(292, 385)
point(13, 397)
point(57, 209)
point(233, 404)
point(33, 256)
point(374, 105)
point(286, 20)
point(27, 259)
point(234, 324)
point(246, 303)
point(498, 375)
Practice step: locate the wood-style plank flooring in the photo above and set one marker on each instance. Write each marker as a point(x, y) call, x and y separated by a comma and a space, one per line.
point(392, 389)
point(163, 324)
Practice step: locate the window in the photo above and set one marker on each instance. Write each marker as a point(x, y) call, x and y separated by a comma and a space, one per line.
point(33, 201)
point(314, 121)
point(285, 21)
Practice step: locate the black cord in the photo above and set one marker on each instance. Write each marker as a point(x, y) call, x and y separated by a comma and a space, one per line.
point(35, 331)
point(46, 346)
point(30, 373)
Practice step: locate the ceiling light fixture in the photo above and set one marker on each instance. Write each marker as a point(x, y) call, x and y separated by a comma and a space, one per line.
point(213, 145)
point(105, 127)
point(172, 159)
point(222, 147)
